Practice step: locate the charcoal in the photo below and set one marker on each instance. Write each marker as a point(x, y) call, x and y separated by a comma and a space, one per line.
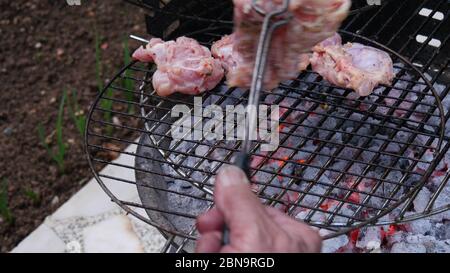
point(357, 168)
point(441, 231)
point(422, 200)
point(349, 125)
point(369, 238)
point(423, 235)
point(442, 201)
point(310, 199)
point(309, 173)
point(350, 137)
point(320, 160)
point(201, 150)
point(403, 164)
point(317, 216)
point(402, 136)
point(397, 237)
point(438, 87)
point(394, 176)
point(367, 156)
point(334, 244)
point(413, 179)
point(431, 244)
point(273, 191)
point(446, 104)
point(376, 202)
point(186, 186)
point(427, 158)
point(345, 212)
point(393, 148)
point(446, 227)
point(330, 123)
point(421, 226)
point(403, 247)
point(338, 168)
point(302, 215)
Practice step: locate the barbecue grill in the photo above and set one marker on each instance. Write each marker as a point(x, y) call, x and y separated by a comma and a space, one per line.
point(343, 162)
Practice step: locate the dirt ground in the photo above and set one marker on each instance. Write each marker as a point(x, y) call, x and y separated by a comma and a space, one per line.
point(48, 46)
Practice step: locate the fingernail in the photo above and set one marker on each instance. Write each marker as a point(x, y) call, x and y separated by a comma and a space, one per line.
point(232, 176)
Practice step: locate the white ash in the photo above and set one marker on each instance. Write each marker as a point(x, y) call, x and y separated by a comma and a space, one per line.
point(338, 165)
point(431, 244)
point(442, 201)
point(334, 244)
point(310, 199)
point(369, 238)
point(422, 200)
point(427, 158)
point(403, 247)
point(345, 212)
point(317, 216)
point(421, 226)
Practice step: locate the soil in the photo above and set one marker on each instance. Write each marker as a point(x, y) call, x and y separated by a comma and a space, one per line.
point(48, 46)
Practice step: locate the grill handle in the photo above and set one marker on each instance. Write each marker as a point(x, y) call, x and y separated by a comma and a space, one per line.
point(242, 161)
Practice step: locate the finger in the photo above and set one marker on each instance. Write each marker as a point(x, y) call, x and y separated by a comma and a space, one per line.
point(234, 198)
point(210, 242)
point(299, 231)
point(210, 221)
point(277, 214)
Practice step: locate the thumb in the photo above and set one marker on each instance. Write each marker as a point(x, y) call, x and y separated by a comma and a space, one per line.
point(235, 200)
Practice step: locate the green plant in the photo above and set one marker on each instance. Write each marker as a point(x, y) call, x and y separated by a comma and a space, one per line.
point(98, 61)
point(105, 103)
point(57, 156)
point(5, 211)
point(127, 81)
point(30, 193)
point(77, 115)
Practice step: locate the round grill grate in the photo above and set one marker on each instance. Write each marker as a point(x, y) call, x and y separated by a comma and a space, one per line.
point(343, 162)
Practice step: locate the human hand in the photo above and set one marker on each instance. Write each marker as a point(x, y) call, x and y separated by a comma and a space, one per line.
point(253, 227)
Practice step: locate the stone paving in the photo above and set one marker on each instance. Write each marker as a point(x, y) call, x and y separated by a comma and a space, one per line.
point(89, 222)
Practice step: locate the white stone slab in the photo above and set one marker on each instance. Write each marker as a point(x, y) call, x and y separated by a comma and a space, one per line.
point(115, 235)
point(92, 200)
point(91, 222)
point(42, 240)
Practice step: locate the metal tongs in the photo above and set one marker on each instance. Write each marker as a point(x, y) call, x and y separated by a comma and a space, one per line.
point(268, 27)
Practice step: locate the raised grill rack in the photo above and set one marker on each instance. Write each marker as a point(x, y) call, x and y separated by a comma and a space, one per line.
point(209, 26)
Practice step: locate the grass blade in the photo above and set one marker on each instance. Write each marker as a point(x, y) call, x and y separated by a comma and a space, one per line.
point(42, 138)
point(59, 133)
point(78, 117)
point(5, 211)
point(98, 61)
point(32, 195)
point(104, 103)
point(127, 81)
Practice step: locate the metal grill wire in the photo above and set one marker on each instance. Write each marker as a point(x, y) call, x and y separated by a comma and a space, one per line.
point(432, 60)
point(164, 7)
point(92, 135)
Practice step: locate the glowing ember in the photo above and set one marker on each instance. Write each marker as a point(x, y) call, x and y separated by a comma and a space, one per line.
point(354, 236)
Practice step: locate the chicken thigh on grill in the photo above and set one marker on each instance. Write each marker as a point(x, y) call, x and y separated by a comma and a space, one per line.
point(183, 66)
point(312, 21)
point(354, 66)
point(224, 51)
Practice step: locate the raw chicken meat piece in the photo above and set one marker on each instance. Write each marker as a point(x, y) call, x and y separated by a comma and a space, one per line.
point(184, 66)
point(335, 40)
point(230, 58)
point(353, 66)
point(312, 22)
point(223, 51)
point(304, 61)
point(305, 58)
